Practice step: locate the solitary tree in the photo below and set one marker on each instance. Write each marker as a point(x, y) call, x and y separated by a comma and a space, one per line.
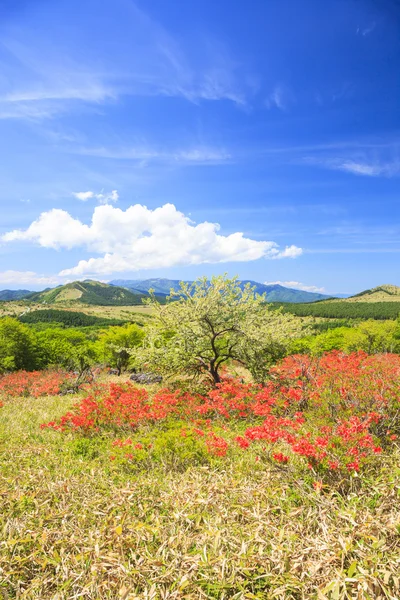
point(207, 323)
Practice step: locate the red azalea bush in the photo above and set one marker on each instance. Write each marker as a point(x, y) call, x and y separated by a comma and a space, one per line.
point(336, 413)
point(119, 405)
point(33, 383)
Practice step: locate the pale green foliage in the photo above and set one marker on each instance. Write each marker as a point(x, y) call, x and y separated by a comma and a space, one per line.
point(115, 345)
point(372, 336)
point(208, 323)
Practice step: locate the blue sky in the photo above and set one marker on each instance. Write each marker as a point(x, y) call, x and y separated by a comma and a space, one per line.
point(146, 139)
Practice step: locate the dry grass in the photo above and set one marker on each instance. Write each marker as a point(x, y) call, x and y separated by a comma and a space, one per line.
point(75, 525)
point(15, 309)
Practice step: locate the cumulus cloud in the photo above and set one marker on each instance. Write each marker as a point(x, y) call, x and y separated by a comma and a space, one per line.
point(289, 252)
point(101, 197)
point(140, 238)
point(298, 286)
point(26, 278)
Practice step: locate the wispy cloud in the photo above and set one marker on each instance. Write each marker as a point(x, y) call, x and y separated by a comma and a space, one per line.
point(281, 97)
point(364, 31)
point(357, 167)
point(143, 59)
point(191, 155)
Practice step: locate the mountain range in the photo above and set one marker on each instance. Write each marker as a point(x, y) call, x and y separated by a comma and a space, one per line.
point(6, 295)
point(131, 292)
point(274, 292)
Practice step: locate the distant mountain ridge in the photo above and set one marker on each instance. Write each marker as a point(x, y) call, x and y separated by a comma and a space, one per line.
point(275, 292)
point(6, 295)
point(88, 292)
point(130, 292)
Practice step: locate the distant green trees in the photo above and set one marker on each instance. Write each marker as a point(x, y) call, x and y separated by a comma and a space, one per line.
point(343, 310)
point(68, 318)
point(23, 347)
point(205, 326)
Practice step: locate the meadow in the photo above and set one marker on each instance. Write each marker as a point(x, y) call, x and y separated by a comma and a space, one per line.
point(265, 465)
point(121, 492)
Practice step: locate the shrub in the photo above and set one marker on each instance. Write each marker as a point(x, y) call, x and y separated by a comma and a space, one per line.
point(335, 414)
point(34, 383)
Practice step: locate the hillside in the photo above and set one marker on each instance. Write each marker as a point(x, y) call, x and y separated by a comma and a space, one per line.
point(7, 295)
point(275, 293)
point(382, 293)
point(88, 292)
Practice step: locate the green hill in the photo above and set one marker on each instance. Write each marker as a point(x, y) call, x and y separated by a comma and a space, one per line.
point(275, 292)
point(88, 292)
point(382, 293)
point(382, 302)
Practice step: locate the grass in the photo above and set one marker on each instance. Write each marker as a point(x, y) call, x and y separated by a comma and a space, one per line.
point(76, 525)
point(15, 309)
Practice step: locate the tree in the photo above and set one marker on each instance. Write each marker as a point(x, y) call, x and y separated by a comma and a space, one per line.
point(116, 343)
point(17, 346)
point(58, 347)
point(207, 323)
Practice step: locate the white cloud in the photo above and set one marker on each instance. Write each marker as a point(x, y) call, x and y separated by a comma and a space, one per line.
point(281, 97)
point(201, 155)
point(361, 167)
point(102, 198)
point(289, 252)
point(83, 195)
point(26, 278)
point(358, 168)
point(298, 286)
point(140, 238)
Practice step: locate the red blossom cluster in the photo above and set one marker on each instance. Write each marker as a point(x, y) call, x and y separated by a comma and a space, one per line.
point(336, 413)
point(33, 383)
point(118, 406)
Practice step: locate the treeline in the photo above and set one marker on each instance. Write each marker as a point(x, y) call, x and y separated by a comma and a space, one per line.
point(343, 310)
point(67, 318)
point(22, 347)
point(372, 336)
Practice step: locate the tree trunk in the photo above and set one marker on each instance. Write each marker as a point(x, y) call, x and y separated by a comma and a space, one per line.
point(215, 375)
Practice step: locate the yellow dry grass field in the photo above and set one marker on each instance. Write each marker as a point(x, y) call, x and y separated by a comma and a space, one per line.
point(76, 525)
point(16, 309)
